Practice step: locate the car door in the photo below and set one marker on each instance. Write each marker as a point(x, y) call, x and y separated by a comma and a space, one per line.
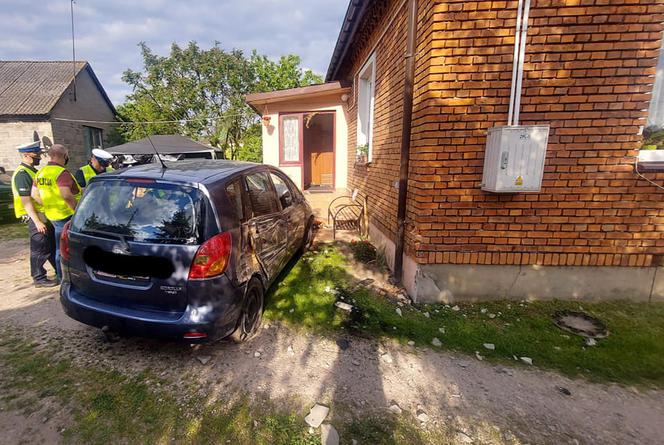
point(268, 230)
point(293, 213)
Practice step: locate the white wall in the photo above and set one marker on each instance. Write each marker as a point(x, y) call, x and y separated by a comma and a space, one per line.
point(326, 103)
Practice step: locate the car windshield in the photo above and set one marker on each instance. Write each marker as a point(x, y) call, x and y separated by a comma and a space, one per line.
point(138, 211)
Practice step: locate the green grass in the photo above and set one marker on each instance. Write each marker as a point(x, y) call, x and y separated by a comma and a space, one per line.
point(632, 354)
point(13, 230)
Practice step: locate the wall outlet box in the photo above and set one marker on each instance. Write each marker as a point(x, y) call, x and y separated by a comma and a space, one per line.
point(514, 158)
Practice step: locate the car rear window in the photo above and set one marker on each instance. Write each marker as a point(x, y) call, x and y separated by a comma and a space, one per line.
point(139, 211)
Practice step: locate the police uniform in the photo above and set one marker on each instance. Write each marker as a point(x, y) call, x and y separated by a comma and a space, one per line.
point(48, 181)
point(42, 245)
point(87, 172)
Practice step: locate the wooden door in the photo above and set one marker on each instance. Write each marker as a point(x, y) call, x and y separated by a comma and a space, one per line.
point(322, 168)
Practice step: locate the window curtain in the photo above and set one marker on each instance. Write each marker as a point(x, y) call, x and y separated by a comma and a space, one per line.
point(291, 139)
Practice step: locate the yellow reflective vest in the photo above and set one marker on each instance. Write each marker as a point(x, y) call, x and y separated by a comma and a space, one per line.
point(19, 210)
point(55, 206)
point(89, 173)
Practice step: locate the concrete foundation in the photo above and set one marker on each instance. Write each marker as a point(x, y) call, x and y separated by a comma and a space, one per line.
point(452, 282)
point(448, 283)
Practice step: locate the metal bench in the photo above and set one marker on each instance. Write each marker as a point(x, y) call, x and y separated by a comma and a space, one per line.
point(347, 212)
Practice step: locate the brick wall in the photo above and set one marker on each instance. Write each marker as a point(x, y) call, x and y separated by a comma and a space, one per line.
point(383, 33)
point(588, 73)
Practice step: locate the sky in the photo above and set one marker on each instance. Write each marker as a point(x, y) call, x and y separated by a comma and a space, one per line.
point(108, 31)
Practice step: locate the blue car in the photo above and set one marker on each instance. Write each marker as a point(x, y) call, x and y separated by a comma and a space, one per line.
point(185, 252)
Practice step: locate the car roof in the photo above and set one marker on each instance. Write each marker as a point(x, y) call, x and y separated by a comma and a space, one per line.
point(188, 171)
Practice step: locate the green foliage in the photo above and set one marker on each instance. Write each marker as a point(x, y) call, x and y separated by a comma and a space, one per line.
point(251, 148)
point(633, 353)
point(654, 136)
point(281, 75)
point(207, 88)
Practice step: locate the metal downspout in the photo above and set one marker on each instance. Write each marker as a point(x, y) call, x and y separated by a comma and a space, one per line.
point(405, 138)
point(522, 57)
point(515, 61)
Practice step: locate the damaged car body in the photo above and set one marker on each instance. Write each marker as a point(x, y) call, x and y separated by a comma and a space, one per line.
point(185, 252)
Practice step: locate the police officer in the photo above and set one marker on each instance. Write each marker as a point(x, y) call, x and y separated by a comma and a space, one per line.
point(59, 193)
point(42, 237)
point(100, 162)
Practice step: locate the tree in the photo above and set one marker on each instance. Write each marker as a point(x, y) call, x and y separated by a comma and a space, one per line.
point(201, 93)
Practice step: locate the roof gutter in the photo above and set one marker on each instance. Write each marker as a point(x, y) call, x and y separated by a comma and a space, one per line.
point(406, 126)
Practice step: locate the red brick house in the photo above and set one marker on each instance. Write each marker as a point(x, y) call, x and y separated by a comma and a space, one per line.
point(595, 226)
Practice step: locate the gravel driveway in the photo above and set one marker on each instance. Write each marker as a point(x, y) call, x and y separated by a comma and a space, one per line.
point(485, 403)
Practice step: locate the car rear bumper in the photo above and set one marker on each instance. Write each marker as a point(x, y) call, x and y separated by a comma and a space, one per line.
point(217, 319)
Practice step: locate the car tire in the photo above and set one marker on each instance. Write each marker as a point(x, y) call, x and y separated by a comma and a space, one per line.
point(308, 239)
point(251, 316)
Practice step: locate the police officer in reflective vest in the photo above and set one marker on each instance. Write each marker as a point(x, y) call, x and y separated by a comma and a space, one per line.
point(100, 162)
point(58, 192)
point(42, 236)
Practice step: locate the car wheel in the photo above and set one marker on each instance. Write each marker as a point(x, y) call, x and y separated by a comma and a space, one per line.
point(252, 313)
point(308, 239)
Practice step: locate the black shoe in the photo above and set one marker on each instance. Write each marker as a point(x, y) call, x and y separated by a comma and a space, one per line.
point(45, 283)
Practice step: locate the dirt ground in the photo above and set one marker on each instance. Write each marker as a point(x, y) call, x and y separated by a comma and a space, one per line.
point(486, 403)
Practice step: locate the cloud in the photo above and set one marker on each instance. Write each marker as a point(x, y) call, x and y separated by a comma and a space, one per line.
point(107, 32)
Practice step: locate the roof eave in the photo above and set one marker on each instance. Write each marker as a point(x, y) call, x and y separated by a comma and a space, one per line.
point(256, 100)
point(100, 88)
point(40, 116)
point(354, 14)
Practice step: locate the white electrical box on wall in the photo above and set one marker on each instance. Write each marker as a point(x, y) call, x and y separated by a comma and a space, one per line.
point(514, 158)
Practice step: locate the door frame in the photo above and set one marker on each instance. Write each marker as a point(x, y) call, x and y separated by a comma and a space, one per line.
point(302, 160)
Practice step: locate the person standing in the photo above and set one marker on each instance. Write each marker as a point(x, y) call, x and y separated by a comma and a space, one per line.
point(41, 233)
point(58, 192)
point(100, 162)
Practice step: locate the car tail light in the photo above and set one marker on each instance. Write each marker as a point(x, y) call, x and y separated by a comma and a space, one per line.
point(64, 241)
point(212, 257)
point(194, 335)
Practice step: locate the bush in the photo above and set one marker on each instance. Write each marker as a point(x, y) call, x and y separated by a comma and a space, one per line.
point(653, 136)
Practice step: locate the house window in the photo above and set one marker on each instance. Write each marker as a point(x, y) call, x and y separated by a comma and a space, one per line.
point(290, 139)
point(651, 155)
point(93, 138)
point(366, 81)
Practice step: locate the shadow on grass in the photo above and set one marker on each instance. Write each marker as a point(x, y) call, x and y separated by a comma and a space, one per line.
point(633, 353)
point(304, 296)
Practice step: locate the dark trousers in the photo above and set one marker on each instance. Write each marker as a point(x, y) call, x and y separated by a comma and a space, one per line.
point(42, 249)
point(57, 227)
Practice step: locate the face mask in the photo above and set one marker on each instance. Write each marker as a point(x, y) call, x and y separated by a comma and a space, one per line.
point(66, 160)
point(36, 160)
